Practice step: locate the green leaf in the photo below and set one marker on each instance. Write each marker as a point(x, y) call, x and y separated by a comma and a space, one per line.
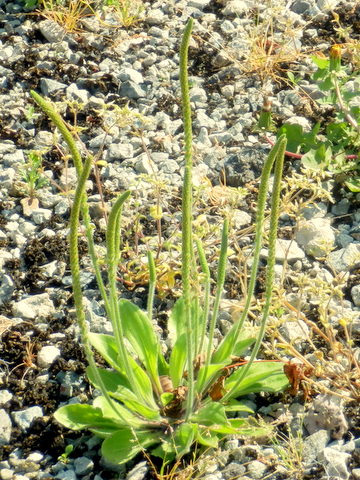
point(236, 406)
point(177, 360)
point(294, 135)
point(207, 438)
point(184, 437)
point(111, 379)
point(224, 352)
point(128, 417)
point(206, 375)
point(126, 443)
point(107, 347)
point(261, 377)
point(118, 389)
point(78, 417)
point(211, 414)
point(317, 159)
point(353, 184)
point(320, 62)
point(140, 333)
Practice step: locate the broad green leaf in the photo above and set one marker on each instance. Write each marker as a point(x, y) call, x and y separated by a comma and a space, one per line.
point(224, 352)
point(184, 437)
point(106, 346)
point(126, 443)
point(111, 379)
point(321, 62)
point(176, 324)
point(211, 414)
point(236, 406)
point(353, 184)
point(144, 383)
point(129, 418)
point(294, 134)
point(119, 390)
point(207, 438)
point(261, 377)
point(206, 375)
point(140, 333)
point(177, 361)
point(317, 159)
point(78, 417)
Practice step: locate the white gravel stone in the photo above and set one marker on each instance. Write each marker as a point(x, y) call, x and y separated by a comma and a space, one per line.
point(34, 306)
point(5, 396)
point(355, 295)
point(5, 427)
point(47, 356)
point(316, 236)
point(83, 465)
point(335, 463)
point(52, 31)
point(346, 258)
point(6, 474)
point(24, 418)
point(285, 249)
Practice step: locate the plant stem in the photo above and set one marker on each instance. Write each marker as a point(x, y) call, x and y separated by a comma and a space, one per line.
point(187, 213)
point(278, 158)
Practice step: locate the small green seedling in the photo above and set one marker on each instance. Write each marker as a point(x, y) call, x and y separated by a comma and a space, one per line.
point(64, 457)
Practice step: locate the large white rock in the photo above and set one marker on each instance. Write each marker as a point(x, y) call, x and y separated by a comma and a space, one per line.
point(34, 306)
point(316, 236)
point(47, 356)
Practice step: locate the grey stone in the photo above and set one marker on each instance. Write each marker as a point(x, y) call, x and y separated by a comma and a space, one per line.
point(83, 465)
point(49, 87)
point(198, 94)
point(24, 418)
point(7, 176)
point(256, 469)
point(233, 470)
point(73, 92)
point(341, 207)
point(5, 427)
point(326, 413)
point(316, 236)
point(295, 332)
point(144, 165)
point(139, 472)
point(52, 31)
point(335, 463)
point(355, 295)
point(119, 151)
point(47, 356)
point(155, 17)
point(6, 287)
point(41, 215)
point(66, 475)
point(131, 90)
point(286, 249)
point(34, 306)
point(314, 444)
point(134, 76)
point(345, 259)
point(356, 473)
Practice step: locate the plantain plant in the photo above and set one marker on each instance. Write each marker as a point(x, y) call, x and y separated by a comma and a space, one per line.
point(149, 401)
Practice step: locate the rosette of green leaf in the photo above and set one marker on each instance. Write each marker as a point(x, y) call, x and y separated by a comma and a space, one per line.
point(134, 412)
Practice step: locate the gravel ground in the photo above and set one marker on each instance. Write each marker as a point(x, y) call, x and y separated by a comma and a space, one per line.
point(120, 87)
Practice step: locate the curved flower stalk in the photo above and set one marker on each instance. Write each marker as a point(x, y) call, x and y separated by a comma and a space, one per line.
point(148, 401)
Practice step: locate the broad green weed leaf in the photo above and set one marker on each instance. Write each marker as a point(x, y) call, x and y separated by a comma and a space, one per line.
point(178, 361)
point(317, 159)
point(78, 417)
point(207, 438)
point(111, 379)
point(261, 377)
point(321, 62)
point(224, 351)
point(236, 406)
point(119, 389)
point(108, 413)
point(211, 414)
point(353, 184)
point(205, 375)
point(140, 333)
point(125, 444)
point(106, 346)
point(184, 437)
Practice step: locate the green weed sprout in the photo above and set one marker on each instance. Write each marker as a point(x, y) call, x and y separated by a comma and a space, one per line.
point(32, 174)
point(166, 404)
